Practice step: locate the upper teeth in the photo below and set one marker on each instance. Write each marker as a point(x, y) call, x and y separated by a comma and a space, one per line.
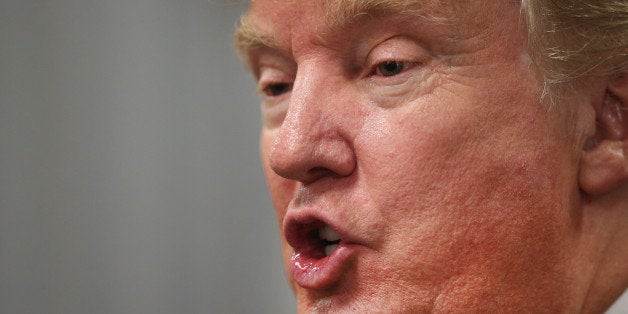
point(328, 234)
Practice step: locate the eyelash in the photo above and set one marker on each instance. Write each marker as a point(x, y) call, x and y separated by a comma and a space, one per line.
point(277, 89)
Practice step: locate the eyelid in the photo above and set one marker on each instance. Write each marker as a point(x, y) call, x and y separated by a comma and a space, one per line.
point(268, 58)
point(270, 76)
point(398, 48)
point(262, 57)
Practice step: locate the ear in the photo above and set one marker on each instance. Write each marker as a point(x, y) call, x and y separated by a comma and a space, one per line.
point(604, 164)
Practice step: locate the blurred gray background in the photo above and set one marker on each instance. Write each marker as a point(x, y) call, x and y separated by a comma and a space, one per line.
point(129, 173)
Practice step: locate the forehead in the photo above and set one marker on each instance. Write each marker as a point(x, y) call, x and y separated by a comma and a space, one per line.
point(337, 12)
point(269, 22)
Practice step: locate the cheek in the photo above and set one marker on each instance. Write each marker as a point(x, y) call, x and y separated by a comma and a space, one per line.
point(465, 194)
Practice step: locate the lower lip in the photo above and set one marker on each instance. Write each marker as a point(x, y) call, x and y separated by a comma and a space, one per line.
point(320, 273)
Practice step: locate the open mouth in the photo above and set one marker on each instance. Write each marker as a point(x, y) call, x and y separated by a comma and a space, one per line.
point(320, 253)
point(314, 240)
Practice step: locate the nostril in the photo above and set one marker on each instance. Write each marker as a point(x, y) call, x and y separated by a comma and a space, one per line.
point(319, 172)
point(319, 169)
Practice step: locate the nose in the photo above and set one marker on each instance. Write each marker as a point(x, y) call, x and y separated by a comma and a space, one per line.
point(314, 140)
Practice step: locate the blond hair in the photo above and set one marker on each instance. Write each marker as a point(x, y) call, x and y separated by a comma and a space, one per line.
point(572, 39)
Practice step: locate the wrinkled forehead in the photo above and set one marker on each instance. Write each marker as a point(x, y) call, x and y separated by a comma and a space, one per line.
point(268, 20)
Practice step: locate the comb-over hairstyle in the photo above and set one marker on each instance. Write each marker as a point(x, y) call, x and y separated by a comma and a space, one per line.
point(571, 39)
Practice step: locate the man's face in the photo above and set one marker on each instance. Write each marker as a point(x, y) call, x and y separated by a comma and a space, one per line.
point(410, 163)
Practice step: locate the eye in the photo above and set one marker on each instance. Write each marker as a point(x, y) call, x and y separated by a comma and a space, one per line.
point(276, 89)
point(390, 68)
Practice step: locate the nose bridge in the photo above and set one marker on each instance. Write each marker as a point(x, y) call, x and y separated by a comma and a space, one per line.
point(311, 135)
point(306, 120)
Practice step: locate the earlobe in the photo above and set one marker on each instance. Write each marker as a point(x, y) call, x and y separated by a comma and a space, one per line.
point(604, 163)
point(604, 167)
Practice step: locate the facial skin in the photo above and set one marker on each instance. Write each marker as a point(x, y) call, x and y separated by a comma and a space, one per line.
point(422, 142)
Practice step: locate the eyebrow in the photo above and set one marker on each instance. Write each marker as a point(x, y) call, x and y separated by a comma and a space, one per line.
point(249, 36)
point(338, 15)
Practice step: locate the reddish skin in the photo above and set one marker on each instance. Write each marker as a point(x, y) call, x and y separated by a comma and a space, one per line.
point(458, 187)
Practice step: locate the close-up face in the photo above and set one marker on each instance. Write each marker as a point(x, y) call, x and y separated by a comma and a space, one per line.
point(411, 162)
